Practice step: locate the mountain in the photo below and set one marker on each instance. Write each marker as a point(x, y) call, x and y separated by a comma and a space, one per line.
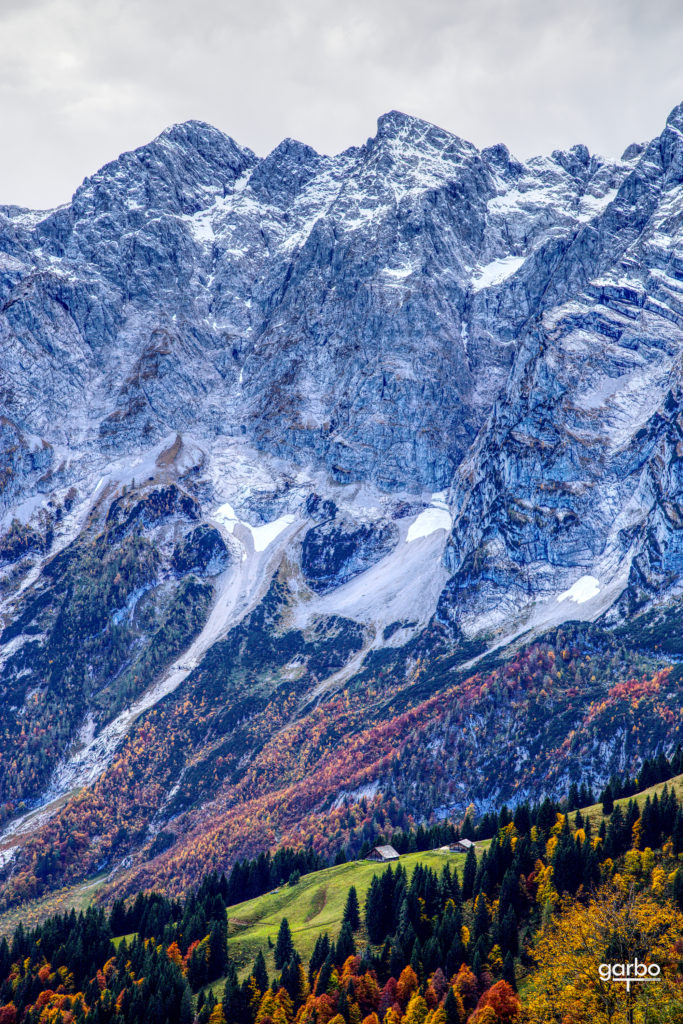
point(332, 479)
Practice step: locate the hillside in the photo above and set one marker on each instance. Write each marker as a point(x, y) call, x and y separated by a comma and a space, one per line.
point(278, 772)
point(595, 813)
point(497, 941)
point(313, 906)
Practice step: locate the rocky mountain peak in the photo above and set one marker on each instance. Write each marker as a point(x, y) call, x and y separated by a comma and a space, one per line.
point(286, 171)
point(408, 132)
point(671, 146)
point(179, 172)
point(675, 118)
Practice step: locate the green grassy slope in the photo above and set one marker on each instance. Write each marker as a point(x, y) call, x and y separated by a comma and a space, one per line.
point(594, 812)
point(314, 906)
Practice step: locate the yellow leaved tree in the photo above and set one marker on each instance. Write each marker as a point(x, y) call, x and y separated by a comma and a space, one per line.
point(587, 951)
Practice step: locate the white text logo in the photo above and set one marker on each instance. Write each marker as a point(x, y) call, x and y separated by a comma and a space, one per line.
point(628, 973)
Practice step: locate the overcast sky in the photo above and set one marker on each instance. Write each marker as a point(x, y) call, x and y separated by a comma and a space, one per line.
point(83, 80)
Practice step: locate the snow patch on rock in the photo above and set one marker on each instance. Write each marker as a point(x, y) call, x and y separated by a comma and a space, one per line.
point(266, 534)
point(585, 588)
point(436, 517)
point(497, 271)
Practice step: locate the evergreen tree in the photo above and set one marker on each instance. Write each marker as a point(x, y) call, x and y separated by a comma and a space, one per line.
point(456, 956)
point(218, 948)
point(546, 816)
point(573, 798)
point(482, 917)
point(346, 946)
point(416, 961)
point(469, 874)
point(467, 831)
point(186, 1015)
point(567, 862)
point(374, 921)
point(678, 888)
point(351, 910)
point(677, 833)
point(321, 951)
point(607, 800)
point(198, 968)
point(284, 947)
point(230, 991)
point(325, 975)
point(290, 979)
point(452, 1009)
point(508, 932)
point(522, 819)
point(618, 838)
point(509, 971)
point(259, 972)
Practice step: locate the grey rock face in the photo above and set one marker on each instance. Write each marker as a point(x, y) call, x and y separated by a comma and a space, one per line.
point(412, 312)
point(336, 551)
point(23, 462)
point(578, 465)
point(342, 309)
point(202, 551)
point(156, 507)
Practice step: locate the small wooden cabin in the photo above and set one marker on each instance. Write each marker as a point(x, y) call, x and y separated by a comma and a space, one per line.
point(382, 854)
point(463, 846)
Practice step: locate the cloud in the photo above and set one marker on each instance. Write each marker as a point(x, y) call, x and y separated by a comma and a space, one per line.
point(82, 80)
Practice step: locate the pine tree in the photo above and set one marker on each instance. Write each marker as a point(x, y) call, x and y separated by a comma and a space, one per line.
point(509, 971)
point(678, 888)
point(508, 932)
point(198, 968)
point(677, 834)
point(290, 979)
point(186, 1008)
point(259, 972)
point(346, 946)
point(321, 951)
point(218, 948)
point(325, 975)
point(469, 874)
point(546, 816)
point(482, 917)
point(351, 910)
point(416, 960)
point(284, 947)
point(607, 800)
point(453, 1008)
point(230, 991)
point(522, 819)
point(373, 912)
point(573, 798)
